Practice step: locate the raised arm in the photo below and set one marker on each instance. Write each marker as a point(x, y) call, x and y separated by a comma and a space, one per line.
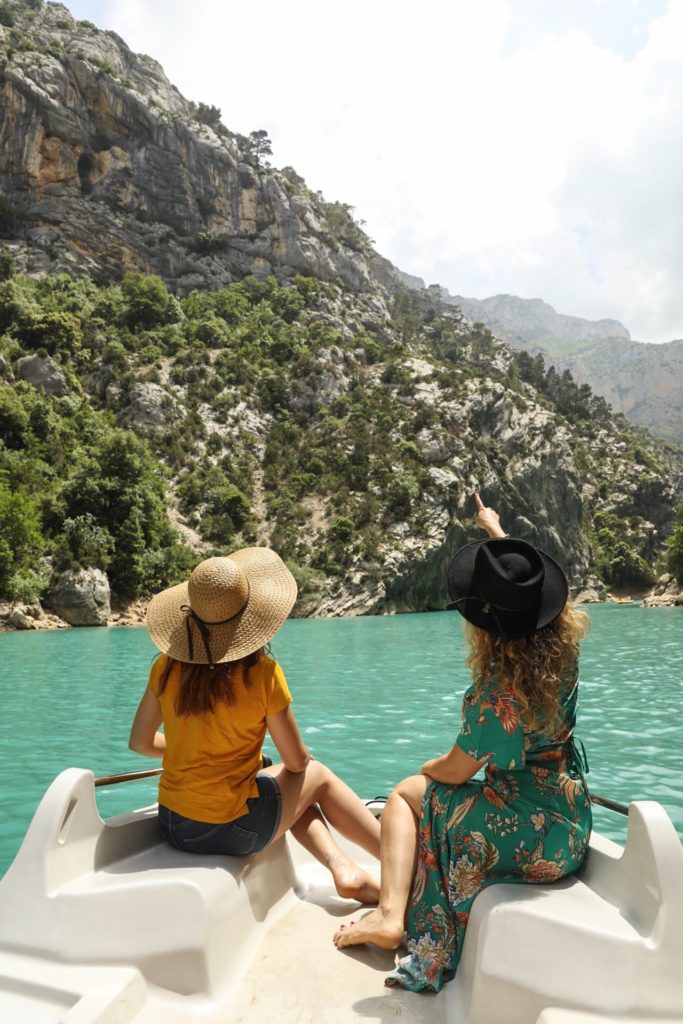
point(487, 518)
point(285, 734)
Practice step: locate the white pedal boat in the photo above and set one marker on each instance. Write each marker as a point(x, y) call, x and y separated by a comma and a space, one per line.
point(102, 923)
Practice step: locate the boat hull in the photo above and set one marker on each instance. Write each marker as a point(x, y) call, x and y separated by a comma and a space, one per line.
point(102, 922)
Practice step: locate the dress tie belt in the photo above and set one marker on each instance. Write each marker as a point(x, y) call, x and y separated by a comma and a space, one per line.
point(577, 759)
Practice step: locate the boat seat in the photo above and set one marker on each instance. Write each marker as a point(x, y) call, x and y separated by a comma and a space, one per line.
point(609, 940)
point(122, 896)
point(119, 926)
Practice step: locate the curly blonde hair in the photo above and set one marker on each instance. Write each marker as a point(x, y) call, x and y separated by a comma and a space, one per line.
point(531, 666)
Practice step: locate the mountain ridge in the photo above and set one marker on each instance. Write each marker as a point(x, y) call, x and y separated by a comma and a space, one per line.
point(642, 380)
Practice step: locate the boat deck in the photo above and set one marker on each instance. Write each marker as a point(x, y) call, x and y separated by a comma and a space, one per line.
point(339, 986)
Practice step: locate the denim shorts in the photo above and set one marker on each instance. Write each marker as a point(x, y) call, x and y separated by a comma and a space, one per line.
point(237, 838)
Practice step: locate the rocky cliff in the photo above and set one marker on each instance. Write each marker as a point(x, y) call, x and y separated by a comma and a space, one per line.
point(524, 321)
point(105, 167)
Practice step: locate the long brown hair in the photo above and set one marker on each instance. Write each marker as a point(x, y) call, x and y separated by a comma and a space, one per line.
point(531, 666)
point(202, 687)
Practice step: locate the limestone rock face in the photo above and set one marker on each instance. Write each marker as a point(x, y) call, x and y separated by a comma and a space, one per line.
point(149, 407)
point(588, 595)
point(666, 592)
point(532, 320)
point(44, 373)
point(327, 381)
point(20, 620)
point(81, 597)
point(107, 170)
point(644, 382)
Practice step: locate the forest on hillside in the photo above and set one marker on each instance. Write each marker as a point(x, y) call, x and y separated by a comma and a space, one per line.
point(275, 423)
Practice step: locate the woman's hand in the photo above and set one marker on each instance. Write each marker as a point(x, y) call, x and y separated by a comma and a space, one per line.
point(487, 518)
point(453, 768)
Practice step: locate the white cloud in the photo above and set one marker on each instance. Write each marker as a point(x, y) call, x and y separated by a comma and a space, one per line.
point(498, 146)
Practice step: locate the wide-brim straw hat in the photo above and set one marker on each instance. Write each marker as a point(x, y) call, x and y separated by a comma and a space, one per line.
point(228, 608)
point(506, 586)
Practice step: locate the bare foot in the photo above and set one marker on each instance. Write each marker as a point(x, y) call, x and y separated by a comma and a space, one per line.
point(378, 927)
point(351, 882)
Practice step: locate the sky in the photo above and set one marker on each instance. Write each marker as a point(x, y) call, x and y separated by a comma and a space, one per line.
point(533, 147)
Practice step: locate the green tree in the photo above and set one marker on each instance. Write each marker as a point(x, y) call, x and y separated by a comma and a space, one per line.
point(8, 264)
point(207, 114)
point(57, 333)
point(21, 540)
point(14, 419)
point(120, 486)
point(147, 302)
point(128, 562)
point(27, 585)
point(255, 145)
point(83, 544)
point(225, 508)
point(675, 546)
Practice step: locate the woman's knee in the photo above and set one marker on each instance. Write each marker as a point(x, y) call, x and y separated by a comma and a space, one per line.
point(322, 777)
point(315, 778)
point(412, 790)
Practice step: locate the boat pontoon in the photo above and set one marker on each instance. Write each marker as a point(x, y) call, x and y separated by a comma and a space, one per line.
point(102, 923)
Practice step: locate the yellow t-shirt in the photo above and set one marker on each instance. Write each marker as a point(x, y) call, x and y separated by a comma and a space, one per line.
point(211, 760)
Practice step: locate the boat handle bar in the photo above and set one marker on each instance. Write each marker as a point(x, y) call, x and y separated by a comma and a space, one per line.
point(613, 805)
point(111, 780)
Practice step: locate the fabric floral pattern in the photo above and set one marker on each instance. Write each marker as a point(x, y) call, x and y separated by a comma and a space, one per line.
point(528, 821)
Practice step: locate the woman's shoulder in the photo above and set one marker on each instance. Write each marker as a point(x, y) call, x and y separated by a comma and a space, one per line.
point(160, 665)
point(491, 687)
point(266, 670)
point(267, 665)
point(494, 702)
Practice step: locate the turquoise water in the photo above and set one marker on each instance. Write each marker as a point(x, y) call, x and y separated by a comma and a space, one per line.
point(374, 697)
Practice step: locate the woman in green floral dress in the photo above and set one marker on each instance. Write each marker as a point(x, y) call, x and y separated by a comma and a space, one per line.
point(446, 837)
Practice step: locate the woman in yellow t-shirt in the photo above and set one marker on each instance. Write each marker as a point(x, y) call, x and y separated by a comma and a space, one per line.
point(217, 693)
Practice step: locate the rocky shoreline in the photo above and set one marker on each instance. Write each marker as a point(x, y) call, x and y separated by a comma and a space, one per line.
point(667, 592)
point(19, 616)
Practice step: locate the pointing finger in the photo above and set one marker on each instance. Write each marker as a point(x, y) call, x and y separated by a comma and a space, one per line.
point(480, 503)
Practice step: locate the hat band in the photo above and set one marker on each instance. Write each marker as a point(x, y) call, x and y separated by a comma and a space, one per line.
point(487, 609)
point(202, 627)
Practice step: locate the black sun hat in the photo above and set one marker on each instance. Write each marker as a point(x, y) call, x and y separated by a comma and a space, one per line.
point(506, 586)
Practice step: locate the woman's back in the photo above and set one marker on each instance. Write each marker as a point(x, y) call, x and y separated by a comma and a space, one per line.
point(211, 759)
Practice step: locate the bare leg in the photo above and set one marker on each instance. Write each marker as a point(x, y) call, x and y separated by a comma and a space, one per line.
point(385, 926)
point(350, 880)
point(301, 791)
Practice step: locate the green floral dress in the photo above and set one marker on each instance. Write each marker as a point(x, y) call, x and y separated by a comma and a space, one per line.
point(528, 820)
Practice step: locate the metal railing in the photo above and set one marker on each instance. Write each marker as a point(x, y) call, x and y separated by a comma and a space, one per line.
point(111, 780)
point(612, 805)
